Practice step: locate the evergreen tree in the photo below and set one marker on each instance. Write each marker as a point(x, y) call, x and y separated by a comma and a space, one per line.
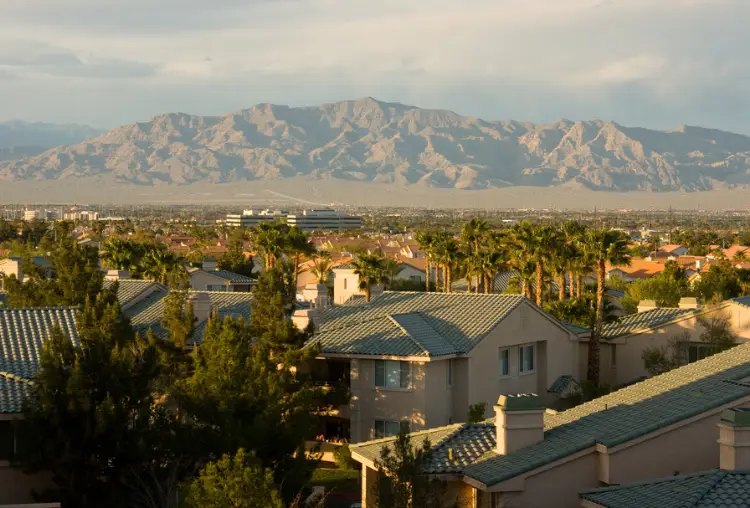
point(234, 260)
point(233, 481)
point(89, 419)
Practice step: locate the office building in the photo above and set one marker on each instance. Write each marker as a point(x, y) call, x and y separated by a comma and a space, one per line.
point(325, 220)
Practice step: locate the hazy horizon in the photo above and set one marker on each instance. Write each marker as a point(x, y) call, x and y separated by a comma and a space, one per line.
point(105, 63)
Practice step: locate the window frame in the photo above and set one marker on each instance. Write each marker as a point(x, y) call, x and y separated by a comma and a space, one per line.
point(450, 373)
point(613, 355)
point(385, 424)
point(521, 370)
point(404, 374)
point(505, 350)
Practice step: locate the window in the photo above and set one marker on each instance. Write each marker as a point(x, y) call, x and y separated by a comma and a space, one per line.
point(216, 287)
point(344, 283)
point(415, 278)
point(450, 372)
point(504, 362)
point(526, 359)
point(391, 374)
point(613, 354)
point(384, 428)
point(697, 352)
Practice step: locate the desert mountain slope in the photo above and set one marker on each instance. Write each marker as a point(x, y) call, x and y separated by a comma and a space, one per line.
point(371, 141)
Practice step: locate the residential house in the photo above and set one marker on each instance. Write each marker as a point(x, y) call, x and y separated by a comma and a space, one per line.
point(530, 457)
point(674, 250)
point(624, 341)
point(639, 269)
point(210, 278)
point(14, 266)
point(727, 486)
point(424, 358)
point(23, 333)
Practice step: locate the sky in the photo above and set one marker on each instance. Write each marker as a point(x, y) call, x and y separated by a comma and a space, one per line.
point(650, 63)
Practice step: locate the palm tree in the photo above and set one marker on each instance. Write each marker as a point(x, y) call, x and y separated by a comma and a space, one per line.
point(446, 254)
point(573, 231)
point(371, 269)
point(270, 240)
point(118, 254)
point(426, 240)
point(297, 244)
point(537, 244)
point(603, 247)
point(740, 256)
point(161, 264)
point(321, 269)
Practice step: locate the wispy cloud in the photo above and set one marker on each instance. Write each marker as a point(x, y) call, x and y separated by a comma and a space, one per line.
point(636, 61)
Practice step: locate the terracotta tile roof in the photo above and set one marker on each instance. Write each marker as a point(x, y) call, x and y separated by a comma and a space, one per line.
point(639, 268)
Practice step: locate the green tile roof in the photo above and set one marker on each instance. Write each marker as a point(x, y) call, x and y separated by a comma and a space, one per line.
point(562, 383)
point(129, 290)
point(628, 413)
point(147, 313)
point(709, 489)
point(412, 323)
point(235, 278)
point(643, 321)
point(616, 418)
point(13, 390)
point(743, 300)
point(468, 442)
point(345, 266)
point(23, 333)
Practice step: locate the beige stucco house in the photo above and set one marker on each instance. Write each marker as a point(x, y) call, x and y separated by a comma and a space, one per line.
point(727, 486)
point(530, 457)
point(624, 341)
point(210, 278)
point(424, 358)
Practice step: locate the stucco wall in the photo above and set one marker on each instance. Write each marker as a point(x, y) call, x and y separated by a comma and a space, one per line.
point(556, 487)
point(16, 486)
point(439, 395)
point(200, 281)
point(687, 449)
point(523, 326)
point(371, 403)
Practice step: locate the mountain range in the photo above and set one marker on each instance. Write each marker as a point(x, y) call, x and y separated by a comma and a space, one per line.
point(367, 140)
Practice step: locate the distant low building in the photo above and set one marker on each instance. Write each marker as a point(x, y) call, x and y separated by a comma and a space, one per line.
point(310, 220)
point(251, 218)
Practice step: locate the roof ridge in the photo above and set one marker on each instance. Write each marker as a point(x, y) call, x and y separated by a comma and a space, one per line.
point(411, 434)
point(720, 475)
point(413, 339)
point(664, 479)
point(65, 307)
point(15, 377)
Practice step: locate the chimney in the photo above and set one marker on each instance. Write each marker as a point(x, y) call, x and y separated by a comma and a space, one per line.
point(519, 422)
point(646, 305)
point(303, 317)
point(201, 303)
point(317, 295)
point(734, 439)
point(690, 303)
point(117, 275)
point(209, 265)
point(698, 265)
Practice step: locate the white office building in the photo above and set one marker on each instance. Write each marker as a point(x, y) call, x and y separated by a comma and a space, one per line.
point(251, 218)
point(325, 220)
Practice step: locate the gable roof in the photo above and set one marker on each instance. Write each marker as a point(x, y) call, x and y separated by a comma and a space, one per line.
point(713, 489)
point(469, 442)
point(129, 290)
point(412, 323)
point(23, 333)
point(147, 313)
point(642, 321)
point(611, 420)
point(234, 278)
point(13, 391)
point(627, 414)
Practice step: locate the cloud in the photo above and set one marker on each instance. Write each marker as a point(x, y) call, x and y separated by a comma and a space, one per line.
point(636, 61)
point(35, 58)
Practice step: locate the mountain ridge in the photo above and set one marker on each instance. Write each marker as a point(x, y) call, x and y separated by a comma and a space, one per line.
point(367, 140)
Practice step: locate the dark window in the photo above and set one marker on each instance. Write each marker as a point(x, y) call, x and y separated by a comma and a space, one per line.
point(7, 440)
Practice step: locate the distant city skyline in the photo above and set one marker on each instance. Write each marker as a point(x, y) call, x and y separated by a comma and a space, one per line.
point(641, 63)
